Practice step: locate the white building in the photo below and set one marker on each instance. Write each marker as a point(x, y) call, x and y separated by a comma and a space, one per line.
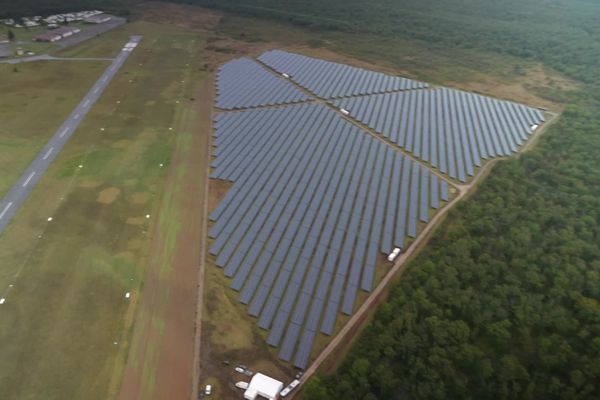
point(264, 387)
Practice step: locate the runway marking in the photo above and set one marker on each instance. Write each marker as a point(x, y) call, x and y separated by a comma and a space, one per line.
point(28, 178)
point(76, 116)
point(48, 152)
point(63, 132)
point(96, 90)
point(5, 209)
point(87, 102)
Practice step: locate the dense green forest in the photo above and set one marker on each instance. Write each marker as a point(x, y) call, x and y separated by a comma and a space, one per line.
point(504, 303)
point(24, 8)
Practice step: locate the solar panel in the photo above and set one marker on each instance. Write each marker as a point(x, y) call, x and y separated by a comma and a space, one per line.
point(449, 129)
point(314, 199)
point(328, 80)
point(243, 83)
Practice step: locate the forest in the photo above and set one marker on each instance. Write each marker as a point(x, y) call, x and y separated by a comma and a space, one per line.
point(24, 8)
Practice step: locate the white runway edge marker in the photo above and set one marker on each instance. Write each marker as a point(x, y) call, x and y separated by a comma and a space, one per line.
point(76, 116)
point(87, 102)
point(28, 178)
point(2, 300)
point(5, 209)
point(63, 132)
point(48, 153)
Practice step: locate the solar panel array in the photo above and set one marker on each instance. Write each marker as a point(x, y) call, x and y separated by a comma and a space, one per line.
point(450, 129)
point(315, 199)
point(330, 80)
point(243, 83)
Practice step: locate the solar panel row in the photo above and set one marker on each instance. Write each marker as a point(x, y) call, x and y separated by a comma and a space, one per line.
point(450, 129)
point(315, 199)
point(330, 80)
point(243, 83)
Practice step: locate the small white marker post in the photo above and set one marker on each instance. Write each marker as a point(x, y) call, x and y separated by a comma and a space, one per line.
point(2, 300)
point(127, 295)
point(147, 216)
point(49, 219)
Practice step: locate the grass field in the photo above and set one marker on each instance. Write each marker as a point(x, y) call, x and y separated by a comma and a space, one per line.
point(36, 98)
point(66, 324)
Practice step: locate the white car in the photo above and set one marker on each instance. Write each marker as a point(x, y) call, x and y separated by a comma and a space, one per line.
point(208, 390)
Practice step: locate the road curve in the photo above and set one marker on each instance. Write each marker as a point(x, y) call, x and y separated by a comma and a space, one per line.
point(17, 195)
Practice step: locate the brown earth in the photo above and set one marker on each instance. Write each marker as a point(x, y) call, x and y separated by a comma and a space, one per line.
point(108, 195)
point(160, 363)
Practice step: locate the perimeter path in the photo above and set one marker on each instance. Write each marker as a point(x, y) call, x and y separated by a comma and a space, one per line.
point(13, 200)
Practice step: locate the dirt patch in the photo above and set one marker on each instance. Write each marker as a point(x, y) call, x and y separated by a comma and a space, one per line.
point(88, 183)
point(108, 195)
point(139, 198)
point(217, 190)
point(136, 220)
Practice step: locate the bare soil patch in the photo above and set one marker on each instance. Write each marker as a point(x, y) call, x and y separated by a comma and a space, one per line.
point(135, 220)
point(217, 190)
point(108, 195)
point(139, 198)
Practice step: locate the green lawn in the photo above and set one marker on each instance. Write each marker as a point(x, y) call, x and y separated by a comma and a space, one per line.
point(36, 99)
point(66, 324)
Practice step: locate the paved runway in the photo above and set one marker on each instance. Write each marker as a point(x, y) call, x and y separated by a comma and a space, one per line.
point(15, 197)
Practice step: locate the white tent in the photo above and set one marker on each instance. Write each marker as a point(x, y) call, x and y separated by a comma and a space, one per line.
point(263, 386)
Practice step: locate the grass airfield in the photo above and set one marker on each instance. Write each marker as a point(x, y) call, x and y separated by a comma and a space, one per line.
point(66, 324)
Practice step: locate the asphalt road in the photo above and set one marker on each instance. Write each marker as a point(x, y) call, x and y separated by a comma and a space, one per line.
point(15, 197)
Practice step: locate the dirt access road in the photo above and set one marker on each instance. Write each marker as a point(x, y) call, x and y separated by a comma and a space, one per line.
point(161, 357)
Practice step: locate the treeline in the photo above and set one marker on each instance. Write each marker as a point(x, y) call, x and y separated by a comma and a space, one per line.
point(24, 8)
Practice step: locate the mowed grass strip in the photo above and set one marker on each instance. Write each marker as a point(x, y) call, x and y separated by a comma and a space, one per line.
point(66, 324)
point(36, 98)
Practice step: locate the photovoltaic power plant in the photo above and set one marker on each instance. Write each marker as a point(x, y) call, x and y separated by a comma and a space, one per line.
point(243, 83)
point(450, 129)
point(324, 188)
point(315, 200)
point(330, 80)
